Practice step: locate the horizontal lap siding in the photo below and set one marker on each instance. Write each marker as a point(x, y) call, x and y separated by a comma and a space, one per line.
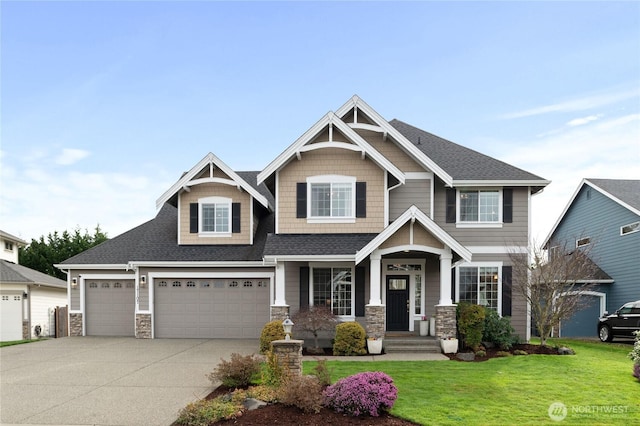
point(509, 234)
point(330, 162)
point(600, 218)
point(43, 301)
point(413, 192)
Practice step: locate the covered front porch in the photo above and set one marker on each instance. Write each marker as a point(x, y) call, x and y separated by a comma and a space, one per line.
point(395, 279)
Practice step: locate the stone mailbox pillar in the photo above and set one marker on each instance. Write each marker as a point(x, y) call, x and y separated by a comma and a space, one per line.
point(289, 355)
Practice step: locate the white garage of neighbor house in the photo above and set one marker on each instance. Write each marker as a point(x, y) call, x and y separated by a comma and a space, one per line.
point(28, 299)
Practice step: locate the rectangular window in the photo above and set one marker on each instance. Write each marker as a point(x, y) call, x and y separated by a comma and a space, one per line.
point(583, 242)
point(480, 206)
point(331, 199)
point(479, 285)
point(630, 228)
point(333, 288)
point(215, 217)
point(8, 246)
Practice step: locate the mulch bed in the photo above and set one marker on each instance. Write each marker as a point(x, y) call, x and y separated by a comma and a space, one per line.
point(279, 414)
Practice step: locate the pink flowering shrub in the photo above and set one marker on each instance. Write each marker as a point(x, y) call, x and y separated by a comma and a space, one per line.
point(368, 393)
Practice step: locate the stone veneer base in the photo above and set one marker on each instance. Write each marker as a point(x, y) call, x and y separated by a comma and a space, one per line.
point(143, 326)
point(289, 355)
point(75, 324)
point(446, 325)
point(375, 320)
point(279, 313)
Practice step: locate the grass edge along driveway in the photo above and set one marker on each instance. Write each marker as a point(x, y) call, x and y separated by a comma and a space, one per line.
point(595, 385)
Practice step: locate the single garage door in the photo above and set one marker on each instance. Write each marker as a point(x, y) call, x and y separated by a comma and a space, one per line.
point(110, 308)
point(215, 308)
point(10, 317)
point(583, 323)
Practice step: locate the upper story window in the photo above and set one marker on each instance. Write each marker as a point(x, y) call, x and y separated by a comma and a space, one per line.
point(331, 198)
point(8, 245)
point(214, 217)
point(479, 206)
point(630, 228)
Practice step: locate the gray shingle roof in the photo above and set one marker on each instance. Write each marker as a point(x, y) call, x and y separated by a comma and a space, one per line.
point(12, 273)
point(460, 162)
point(315, 244)
point(157, 240)
point(626, 190)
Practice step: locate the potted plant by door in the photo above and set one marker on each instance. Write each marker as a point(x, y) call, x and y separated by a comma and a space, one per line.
point(374, 345)
point(424, 326)
point(449, 345)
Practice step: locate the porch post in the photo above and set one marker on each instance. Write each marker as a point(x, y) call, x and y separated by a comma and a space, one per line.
point(279, 309)
point(445, 279)
point(374, 280)
point(279, 296)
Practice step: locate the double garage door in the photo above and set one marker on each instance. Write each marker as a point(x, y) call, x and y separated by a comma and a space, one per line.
point(210, 308)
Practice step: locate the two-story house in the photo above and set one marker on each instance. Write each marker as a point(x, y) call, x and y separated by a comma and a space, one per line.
point(381, 221)
point(605, 215)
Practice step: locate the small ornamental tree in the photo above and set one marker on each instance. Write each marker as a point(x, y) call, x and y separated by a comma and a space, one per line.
point(554, 285)
point(315, 319)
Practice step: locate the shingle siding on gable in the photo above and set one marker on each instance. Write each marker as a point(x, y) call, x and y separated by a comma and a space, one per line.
point(391, 151)
point(515, 233)
point(330, 162)
point(600, 218)
point(413, 192)
point(214, 190)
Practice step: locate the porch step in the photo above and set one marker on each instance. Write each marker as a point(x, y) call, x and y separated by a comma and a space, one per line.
point(410, 344)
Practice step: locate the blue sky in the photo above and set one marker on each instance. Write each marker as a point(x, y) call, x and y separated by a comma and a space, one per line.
point(105, 104)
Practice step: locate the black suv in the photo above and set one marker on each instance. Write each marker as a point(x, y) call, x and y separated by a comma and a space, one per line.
point(622, 323)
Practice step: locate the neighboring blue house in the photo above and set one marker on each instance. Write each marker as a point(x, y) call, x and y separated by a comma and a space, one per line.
point(606, 214)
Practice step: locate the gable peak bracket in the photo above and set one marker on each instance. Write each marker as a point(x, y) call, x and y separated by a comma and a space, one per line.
point(298, 155)
point(384, 136)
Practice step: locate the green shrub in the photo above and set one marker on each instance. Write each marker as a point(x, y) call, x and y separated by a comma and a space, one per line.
point(322, 372)
point(239, 372)
point(470, 324)
point(272, 371)
point(271, 331)
point(503, 354)
point(304, 392)
point(498, 330)
point(350, 339)
point(481, 354)
point(263, 393)
point(203, 412)
point(520, 352)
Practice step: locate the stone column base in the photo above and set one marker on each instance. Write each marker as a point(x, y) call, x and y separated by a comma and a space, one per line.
point(375, 320)
point(26, 332)
point(446, 325)
point(289, 355)
point(143, 326)
point(279, 313)
point(75, 324)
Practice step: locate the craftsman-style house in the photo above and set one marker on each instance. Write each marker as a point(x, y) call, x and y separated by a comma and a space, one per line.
point(381, 221)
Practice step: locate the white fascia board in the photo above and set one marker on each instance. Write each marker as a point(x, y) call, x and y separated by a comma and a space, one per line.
point(611, 197)
point(481, 183)
point(210, 158)
point(91, 266)
point(310, 258)
point(195, 264)
point(564, 211)
point(329, 118)
point(286, 155)
point(414, 213)
point(418, 155)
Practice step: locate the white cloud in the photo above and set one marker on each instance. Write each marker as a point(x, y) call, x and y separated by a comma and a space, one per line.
point(70, 156)
point(583, 120)
point(608, 149)
point(579, 104)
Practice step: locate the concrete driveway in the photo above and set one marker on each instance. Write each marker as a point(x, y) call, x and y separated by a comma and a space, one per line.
point(108, 381)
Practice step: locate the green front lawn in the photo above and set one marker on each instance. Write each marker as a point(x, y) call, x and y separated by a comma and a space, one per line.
point(595, 385)
point(18, 342)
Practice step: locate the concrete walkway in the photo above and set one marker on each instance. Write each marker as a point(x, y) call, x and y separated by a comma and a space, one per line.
point(108, 381)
